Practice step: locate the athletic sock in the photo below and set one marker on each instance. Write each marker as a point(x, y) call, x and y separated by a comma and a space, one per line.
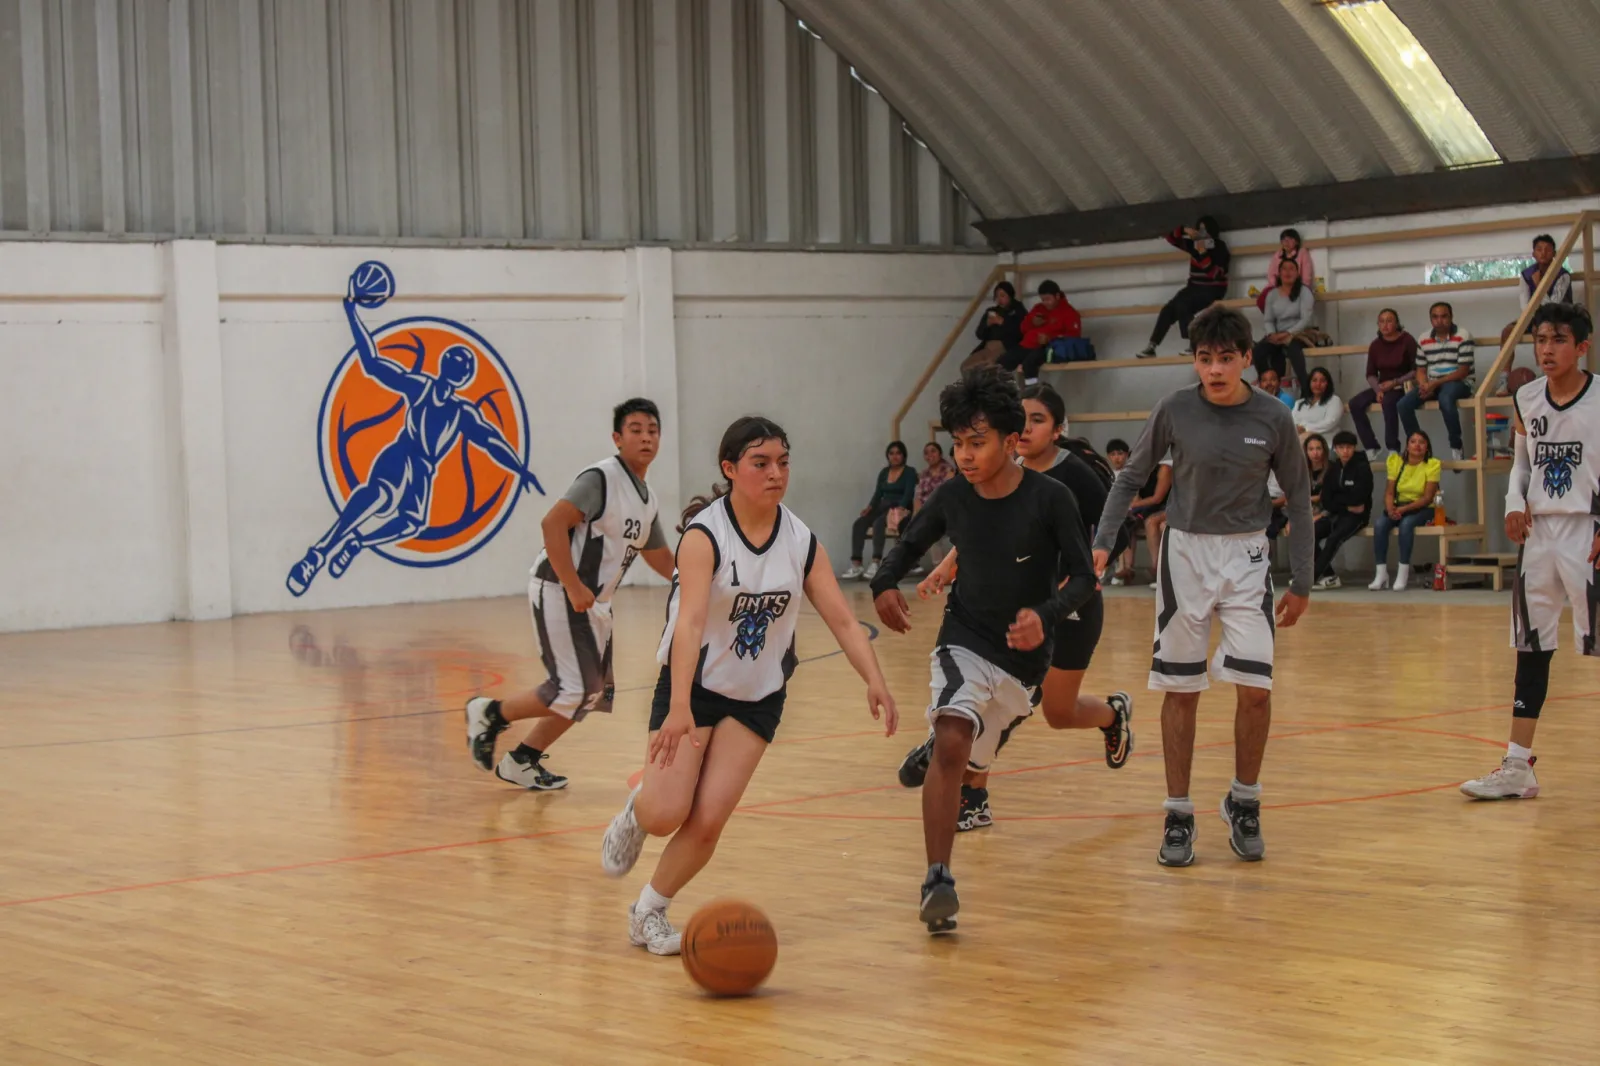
point(524, 753)
point(651, 900)
point(1517, 751)
point(1180, 804)
point(1250, 793)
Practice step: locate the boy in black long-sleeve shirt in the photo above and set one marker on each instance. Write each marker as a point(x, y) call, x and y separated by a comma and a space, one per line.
point(1018, 534)
point(1347, 501)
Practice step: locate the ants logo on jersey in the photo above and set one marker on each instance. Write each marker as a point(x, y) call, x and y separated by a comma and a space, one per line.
point(1558, 460)
point(753, 612)
point(422, 440)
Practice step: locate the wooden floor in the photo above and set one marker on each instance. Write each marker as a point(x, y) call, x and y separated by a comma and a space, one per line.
point(262, 841)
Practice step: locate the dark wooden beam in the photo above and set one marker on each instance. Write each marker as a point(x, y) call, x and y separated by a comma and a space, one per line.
point(1442, 190)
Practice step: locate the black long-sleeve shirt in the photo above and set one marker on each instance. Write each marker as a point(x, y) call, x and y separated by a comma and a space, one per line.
point(1009, 331)
point(1208, 269)
point(1013, 552)
point(1347, 485)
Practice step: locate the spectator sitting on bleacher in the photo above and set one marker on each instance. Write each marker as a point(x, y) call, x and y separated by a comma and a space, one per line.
point(1208, 280)
point(1148, 512)
point(1290, 307)
point(896, 489)
point(1391, 360)
point(1267, 382)
point(938, 471)
point(1316, 448)
point(1000, 328)
point(1346, 504)
point(1444, 373)
point(1319, 409)
point(1288, 248)
point(1560, 292)
point(1407, 504)
point(1051, 319)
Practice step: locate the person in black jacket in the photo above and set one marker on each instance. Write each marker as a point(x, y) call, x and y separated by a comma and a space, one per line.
point(1346, 501)
point(1000, 328)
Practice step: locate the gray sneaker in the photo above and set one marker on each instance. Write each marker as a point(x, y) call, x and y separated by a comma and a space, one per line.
point(1177, 845)
point(1514, 780)
point(623, 842)
point(939, 902)
point(1244, 828)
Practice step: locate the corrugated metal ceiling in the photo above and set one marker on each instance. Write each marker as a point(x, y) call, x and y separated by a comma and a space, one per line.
point(1045, 106)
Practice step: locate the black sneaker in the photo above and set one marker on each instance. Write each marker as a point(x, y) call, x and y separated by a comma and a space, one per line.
point(939, 902)
point(914, 769)
point(1177, 846)
point(975, 812)
point(484, 724)
point(527, 771)
point(1244, 827)
point(1119, 734)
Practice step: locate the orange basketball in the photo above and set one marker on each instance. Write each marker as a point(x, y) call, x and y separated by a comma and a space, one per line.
point(729, 947)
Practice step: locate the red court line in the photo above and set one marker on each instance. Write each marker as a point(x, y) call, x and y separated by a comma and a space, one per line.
point(313, 864)
point(759, 808)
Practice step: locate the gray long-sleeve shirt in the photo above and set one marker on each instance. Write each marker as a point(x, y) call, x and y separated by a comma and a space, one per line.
point(1220, 460)
point(1283, 315)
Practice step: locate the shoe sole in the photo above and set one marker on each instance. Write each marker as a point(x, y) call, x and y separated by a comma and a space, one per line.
point(1233, 844)
point(939, 908)
point(1525, 794)
point(966, 826)
point(531, 788)
point(1118, 760)
point(1164, 861)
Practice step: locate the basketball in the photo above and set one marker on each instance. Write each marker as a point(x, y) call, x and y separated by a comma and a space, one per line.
point(729, 947)
point(372, 284)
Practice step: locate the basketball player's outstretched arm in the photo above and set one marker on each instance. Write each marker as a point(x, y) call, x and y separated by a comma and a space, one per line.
point(696, 564)
point(487, 437)
point(822, 589)
point(1155, 439)
point(923, 531)
point(378, 368)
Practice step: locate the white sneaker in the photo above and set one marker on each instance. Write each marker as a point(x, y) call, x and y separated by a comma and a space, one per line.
point(852, 573)
point(623, 842)
point(1380, 580)
point(651, 930)
point(1115, 581)
point(871, 571)
point(1374, 454)
point(1330, 582)
point(1455, 453)
point(1402, 577)
point(1514, 780)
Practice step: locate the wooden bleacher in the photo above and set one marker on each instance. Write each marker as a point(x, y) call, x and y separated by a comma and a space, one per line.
point(1580, 227)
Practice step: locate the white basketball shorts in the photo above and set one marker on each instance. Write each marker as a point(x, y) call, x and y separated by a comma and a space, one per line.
point(1553, 571)
point(576, 649)
point(1205, 575)
point(966, 685)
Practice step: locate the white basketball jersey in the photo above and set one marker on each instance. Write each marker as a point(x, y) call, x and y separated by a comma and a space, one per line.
point(747, 652)
point(1563, 447)
point(604, 546)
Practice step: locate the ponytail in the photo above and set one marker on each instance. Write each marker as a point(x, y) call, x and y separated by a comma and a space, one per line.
point(698, 504)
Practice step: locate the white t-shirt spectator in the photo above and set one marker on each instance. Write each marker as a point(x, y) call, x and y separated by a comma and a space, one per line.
point(1312, 417)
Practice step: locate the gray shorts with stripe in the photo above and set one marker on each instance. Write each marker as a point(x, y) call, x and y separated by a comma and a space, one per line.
point(576, 649)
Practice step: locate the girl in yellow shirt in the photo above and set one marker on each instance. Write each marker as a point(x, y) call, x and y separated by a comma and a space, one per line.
point(1407, 504)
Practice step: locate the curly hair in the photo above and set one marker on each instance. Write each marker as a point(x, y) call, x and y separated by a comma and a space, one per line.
point(1574, 316)
point(1219, 327)
point(987, 393)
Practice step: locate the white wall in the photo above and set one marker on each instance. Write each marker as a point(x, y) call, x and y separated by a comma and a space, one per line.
point(160, 420)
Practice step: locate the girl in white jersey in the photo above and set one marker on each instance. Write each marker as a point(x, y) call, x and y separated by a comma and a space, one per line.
point(1553, 512)
point(608, 518)
point(744, 562)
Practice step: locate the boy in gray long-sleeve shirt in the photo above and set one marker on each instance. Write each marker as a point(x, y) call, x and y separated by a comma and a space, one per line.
point(1225, 437)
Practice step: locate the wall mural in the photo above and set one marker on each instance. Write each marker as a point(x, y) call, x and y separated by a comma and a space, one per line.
point(422, 437)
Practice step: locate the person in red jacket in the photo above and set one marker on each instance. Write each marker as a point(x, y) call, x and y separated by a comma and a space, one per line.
point(1051, 317)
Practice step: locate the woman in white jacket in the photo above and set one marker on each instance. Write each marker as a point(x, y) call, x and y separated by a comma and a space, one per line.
point(1288, 312)
point(1319, 409)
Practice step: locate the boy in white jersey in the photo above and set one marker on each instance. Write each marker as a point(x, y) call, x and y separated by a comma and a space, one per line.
point(1553, 512)
point(607, 518)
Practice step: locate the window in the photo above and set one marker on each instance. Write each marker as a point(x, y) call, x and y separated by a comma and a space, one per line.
point(1405, 65)
point(1494, 268)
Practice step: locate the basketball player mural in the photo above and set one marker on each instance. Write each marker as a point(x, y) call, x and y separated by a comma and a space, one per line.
point(424, 453)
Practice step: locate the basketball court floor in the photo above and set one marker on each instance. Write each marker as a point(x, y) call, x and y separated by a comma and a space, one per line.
point(261, 840)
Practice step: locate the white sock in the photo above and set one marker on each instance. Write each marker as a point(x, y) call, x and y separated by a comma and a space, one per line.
point(1246, 792)
point(1181, 804)
point(651, 900)
point(1517, 751)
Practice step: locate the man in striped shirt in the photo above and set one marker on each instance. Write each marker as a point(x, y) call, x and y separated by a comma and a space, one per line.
point(1444, 365)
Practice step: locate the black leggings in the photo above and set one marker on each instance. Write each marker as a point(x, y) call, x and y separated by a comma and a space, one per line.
point(1189, 301)
point(876, 520)
point(1269, 356)
point(1332, 532)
